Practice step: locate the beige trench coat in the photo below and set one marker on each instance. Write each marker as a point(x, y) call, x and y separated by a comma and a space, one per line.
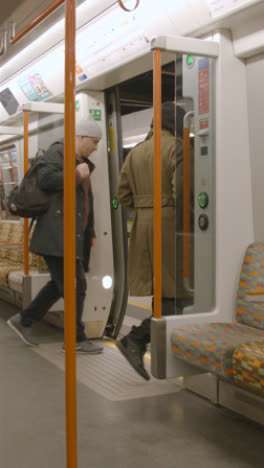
point(135, 192)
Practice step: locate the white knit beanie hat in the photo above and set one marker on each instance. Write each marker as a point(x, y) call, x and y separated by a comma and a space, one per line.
point(89, 128)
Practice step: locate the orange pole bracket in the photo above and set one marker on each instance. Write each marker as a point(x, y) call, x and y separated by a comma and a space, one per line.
point(70, 237)
point(53, 6)
point(157, 182)
point(26, 262)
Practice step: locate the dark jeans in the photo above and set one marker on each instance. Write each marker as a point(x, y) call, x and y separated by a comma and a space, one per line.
point(141, 334)
point(54, 290)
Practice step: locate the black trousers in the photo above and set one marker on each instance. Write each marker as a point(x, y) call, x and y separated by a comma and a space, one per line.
point(141, 334)
point(54, 290)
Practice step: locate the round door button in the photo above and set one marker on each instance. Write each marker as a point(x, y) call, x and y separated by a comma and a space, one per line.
point(203, 222)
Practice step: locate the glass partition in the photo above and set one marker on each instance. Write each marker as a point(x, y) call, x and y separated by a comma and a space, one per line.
point(194, 184)
point(8, 179)
point(188, 202)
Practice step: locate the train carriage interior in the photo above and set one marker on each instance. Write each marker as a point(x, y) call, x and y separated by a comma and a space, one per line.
point(204, 403)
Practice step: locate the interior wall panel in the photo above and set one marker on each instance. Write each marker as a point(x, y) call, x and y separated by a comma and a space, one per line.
point(255, 74)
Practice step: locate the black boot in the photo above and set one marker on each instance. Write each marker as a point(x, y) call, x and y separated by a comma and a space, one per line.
point(134, 353)
point(168, 306)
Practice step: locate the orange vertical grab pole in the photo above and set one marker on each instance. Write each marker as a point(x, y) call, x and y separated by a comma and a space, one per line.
point(70, 237)
point(157, 183)
point(26, 263)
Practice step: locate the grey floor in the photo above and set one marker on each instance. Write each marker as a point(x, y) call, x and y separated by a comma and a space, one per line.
point(176, 430)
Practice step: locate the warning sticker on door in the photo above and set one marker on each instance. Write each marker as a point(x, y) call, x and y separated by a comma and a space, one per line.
point(203, 86)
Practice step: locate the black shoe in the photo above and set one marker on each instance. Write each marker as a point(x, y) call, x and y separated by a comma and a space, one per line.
point(25, 333)
point(134, 353)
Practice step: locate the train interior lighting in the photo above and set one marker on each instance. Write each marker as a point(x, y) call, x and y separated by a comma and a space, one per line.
point(107, 282)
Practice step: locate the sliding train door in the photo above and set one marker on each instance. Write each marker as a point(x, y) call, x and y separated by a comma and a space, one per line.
point(118, 215)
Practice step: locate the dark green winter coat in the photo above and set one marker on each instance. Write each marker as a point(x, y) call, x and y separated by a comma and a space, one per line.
point(135, 191)
point(47, 238)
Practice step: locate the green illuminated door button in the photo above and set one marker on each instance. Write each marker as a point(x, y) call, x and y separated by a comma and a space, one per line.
point(115, 203)
point(203, 199)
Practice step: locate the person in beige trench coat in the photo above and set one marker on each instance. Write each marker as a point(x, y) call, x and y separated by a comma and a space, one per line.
point(135, 192)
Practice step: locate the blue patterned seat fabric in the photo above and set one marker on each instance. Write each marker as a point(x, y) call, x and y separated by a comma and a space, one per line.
point(211, 345)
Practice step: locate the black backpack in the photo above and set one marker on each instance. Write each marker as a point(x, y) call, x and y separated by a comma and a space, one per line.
point(27, 200)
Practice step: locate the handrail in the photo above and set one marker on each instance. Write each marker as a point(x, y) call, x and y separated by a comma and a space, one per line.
point(157, 182)
point(11, 31)
point(43, 15)
point(53, 6)
point(128, 9)
point(3, 42)
point(26, 262)
point(70, 236)
point(69, 220)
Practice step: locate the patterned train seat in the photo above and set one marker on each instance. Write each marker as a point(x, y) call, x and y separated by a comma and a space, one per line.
point(5, 232)
point(248, 364)
point(5, 269)
point(12, 257)
point(16, 235)
point(16, 277)
point(211, 346)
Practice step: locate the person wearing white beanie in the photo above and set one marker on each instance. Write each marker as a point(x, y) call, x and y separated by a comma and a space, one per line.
point(47, 238)
point(88, 128)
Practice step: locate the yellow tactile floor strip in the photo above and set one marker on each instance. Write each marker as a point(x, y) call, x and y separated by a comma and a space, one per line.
point(138, 304)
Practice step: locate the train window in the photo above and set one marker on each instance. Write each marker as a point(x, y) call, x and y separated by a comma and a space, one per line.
point(194, 181)
point(8, 179)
